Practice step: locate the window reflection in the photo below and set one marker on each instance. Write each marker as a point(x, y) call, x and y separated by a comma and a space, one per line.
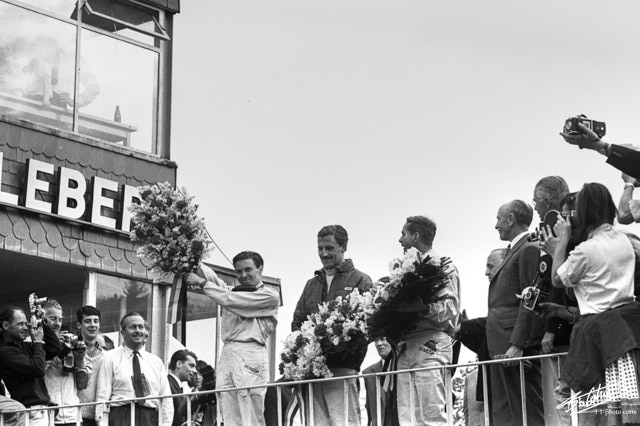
point(128, 78)
point(117, 296)
point(37, 67)
point(117, 87)
point(59, 7)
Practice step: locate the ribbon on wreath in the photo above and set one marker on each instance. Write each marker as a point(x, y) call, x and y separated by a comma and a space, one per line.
point(390, 364)
point(297, 403)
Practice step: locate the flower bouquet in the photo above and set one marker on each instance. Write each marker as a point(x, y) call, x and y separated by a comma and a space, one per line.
point(339, 327)
point(171, 236)
point(411, 280)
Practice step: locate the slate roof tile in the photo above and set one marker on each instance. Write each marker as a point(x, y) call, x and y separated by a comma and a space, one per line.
point(36, 231)
point(6, 227)
point(45, 251)
point(70, 243)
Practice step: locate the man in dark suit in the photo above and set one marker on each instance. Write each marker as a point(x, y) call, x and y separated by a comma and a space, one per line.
point(513, 331)
point(181, 368)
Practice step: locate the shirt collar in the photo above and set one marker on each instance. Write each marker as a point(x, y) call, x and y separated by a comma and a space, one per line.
point(175, 377)
point(518, 238)
point(129, 352)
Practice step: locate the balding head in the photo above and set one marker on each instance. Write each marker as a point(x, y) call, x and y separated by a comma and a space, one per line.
point(513, 218)
point(494, 261)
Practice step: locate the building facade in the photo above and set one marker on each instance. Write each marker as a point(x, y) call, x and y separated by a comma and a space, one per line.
point(85, 113)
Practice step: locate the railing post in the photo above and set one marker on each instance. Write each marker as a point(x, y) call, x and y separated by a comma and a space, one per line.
point(448, 386)
point(279, 402)
point(412, 397)
point(485, 394)
point(378, 405)
point(133, 413)
point(523, 393)
point(188, 411)
point(345, 390)
point(311, 419)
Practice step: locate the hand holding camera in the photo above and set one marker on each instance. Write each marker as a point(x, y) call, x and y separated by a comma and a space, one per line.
point(35, 310)
point(585, 133)
point(562, 228)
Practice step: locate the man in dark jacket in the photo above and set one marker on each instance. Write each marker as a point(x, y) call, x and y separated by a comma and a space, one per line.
point(338, 277)
point(22, 364)
point(181, 367)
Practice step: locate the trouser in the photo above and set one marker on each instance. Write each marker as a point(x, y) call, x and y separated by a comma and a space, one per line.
point(506, 400)
point(144, 416)
point(7, 405)
point(40, 418)
point(430, 349)
point(328, 400)
point(242, 364)
point(561, 391)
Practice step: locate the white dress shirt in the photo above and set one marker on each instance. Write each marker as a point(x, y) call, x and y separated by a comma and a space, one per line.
point(115, 383)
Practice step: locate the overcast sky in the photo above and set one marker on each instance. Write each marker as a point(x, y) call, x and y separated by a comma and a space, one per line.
point(291, 114)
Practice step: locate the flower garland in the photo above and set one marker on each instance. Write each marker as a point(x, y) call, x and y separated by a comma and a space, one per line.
point(411, 280)
point(170, 234)
point(339, 325)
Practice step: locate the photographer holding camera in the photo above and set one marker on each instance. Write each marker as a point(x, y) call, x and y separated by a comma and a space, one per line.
point(66, 373)
point(22, 364)
point(600, 270)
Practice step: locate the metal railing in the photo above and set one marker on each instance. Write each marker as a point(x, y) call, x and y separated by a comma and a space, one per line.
point(281, 408)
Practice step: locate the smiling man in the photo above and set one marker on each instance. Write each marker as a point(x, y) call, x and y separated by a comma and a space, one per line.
point(130, 372)
point(249, 318)
point(88, 323)
point(67, 373)
point(338, 277)
point(22, 364)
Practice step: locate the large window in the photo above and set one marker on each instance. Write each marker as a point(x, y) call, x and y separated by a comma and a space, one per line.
point(116, 296)
point(92, 67)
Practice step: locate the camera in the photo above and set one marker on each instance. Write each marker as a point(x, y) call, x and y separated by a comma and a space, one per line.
point(571, 125)
point(70, 340)
point(533, 295)
point(531, 298)
point(35, 309)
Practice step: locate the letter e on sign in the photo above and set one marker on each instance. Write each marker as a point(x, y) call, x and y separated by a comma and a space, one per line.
point(99, 201)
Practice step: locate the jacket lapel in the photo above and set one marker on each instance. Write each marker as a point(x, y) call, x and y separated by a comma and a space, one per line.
point(509, 255)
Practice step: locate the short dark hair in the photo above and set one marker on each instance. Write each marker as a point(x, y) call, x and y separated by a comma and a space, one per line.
point(248, 255)
point(521, 211)
point(595, 207)
point(7, 313)
point(337, 231)
point(181, 355)
point(87, 311)
point(424, 226)
point(131, 314)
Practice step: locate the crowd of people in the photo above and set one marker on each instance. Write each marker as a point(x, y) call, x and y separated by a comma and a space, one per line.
point(568, 287)
point(43, 365)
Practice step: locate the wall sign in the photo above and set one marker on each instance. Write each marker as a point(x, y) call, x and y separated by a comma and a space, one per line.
point(108, 202)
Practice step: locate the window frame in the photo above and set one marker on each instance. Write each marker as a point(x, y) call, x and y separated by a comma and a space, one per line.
point(161, 46)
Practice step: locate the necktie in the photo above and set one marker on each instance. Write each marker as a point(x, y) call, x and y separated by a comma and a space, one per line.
point(138, 383)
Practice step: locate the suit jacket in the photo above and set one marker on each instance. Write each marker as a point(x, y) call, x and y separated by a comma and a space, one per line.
point(507, 322)
point(370, 386)
point(179, 403)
